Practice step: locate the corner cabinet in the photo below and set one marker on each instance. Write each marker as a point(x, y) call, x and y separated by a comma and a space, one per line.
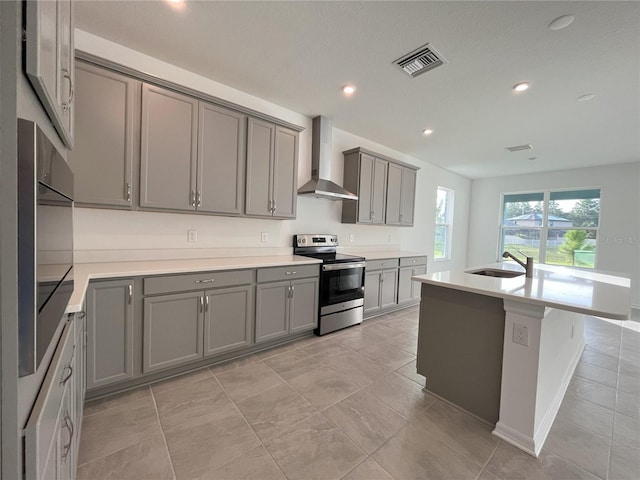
point(272, 166)
point(49, 59)
point(108, 114)
point(385, 188)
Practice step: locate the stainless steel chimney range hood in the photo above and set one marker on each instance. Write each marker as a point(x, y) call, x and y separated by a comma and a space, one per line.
point(320, 185)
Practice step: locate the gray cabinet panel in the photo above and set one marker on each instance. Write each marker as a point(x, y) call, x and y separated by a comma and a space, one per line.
point(413, 261)
point(405, 287)
point(272, 311)
point(172, 330)
point(389, 288)
point(109, 332)
point(379, 189)
point(408, 196)
point(304, 304)
point(285, 173)
point(365, 207)
point(196, 281)
point(168, 150)
point(371, 292)
point(221, 159)
point(288, 273)
point(394, 194)
point(102, 159)
point(228, 318)
point(260, 152)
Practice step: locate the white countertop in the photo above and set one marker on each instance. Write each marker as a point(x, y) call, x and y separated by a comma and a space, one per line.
point(382, 254)
point(83, 272)
point(583, 291)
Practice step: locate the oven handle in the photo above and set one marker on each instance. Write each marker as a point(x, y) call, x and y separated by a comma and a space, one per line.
point(342, 266)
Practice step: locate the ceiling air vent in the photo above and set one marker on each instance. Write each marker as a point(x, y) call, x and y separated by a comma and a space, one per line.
point(519, 148)
point(420, 60)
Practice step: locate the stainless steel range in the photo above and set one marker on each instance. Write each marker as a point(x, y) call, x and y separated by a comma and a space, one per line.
point(341, 282)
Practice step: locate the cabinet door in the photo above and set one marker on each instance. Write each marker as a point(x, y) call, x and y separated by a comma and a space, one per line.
point(260, 152)
point(109, 332)
point(365, 190)
point(227, 320)
point(168, 149)
point(66, 433)
point(285, 173)
point(405, 287)
point(221, 159)
point(172, 330)
point(304, 304)
point(408, 196)
point(389, 288)
point(66, 74)
point(272, 311)
point(416, 287)
point(394, 194)
point(102, 159)
point(379, 191)
point(372, 292)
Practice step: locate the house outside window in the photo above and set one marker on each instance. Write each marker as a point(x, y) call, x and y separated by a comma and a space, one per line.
point(444, 224)
point(558, 227)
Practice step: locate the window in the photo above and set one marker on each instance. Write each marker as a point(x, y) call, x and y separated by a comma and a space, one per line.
point(444, 224)
point(555, 227)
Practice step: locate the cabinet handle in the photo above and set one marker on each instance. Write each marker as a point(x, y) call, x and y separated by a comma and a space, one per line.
point(290, 273)
point(208, 280)
point(400, 217)
point(66, 378)
point(130, 294)
point(128, 192)
point(381, 277)
point(293, 289)
point(68, 424)
point(192, 202)
point(201, 303)
point(206, 304)
point(67, 105)
point(198, 198)
point(274, 206)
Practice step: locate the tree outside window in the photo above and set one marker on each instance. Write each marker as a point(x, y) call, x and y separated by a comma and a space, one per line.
point(444, 224)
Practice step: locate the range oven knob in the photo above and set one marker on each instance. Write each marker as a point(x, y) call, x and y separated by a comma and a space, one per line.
point(303, 240)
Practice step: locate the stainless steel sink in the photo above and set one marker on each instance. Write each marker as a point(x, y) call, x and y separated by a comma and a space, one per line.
point(490, 272)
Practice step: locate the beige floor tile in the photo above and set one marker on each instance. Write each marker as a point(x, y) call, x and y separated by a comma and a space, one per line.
point(459, 430)
point(275, 410)
point(190, 404)
point(233, 364)
point(630, 340)
point(404, 325)
point(248, 380)
point(146, 460)
point(416, 454)
point(292, 364)
point(117, 400)
point(358, 369)
point(512, 463)
point(624, 463)
point(626, 430)
point(410, 371)
point(181, 380)
point(593, 357)
point(404, 341)
point(387, 355)
point(117, 428)
point(487, 475)
point(611, 350)
point(326, 350)
point(219, 439)
point(629, 384)
point(593, 392)
point(401, 394)
point(628, 404)
point(596, 374)
point(365, 420)
point(323, 387)
point(587, 414)
point(368, 470)
point(256, 464)
point(579, 446)
point(629, 366)
point(314, 450)
point(276, 350)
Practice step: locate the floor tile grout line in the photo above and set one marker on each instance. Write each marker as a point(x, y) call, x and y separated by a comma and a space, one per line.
point(486, 464)
point(164, 438)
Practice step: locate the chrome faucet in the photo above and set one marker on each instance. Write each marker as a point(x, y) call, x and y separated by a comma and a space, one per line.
point(528, 267)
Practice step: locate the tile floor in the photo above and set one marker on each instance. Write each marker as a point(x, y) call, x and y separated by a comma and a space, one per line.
point(350, 405)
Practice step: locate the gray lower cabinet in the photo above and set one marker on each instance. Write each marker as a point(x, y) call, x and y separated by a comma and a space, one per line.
point(228, 319)
point(107, 113)
point(409, 291)
point(110, 341)
point(380, 290)
point(172, 330)
point(304, 304)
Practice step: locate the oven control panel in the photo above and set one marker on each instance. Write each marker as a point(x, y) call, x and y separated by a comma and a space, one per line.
point(315, 240)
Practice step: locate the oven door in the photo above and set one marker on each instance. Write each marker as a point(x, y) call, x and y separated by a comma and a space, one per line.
point(341, 282)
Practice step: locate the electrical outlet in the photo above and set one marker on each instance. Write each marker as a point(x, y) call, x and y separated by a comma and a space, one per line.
point(264, 237)
point(521, 334)
point(192, 236)
point(352, 238)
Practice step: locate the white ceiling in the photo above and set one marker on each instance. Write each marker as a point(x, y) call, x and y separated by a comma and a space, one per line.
point(299, 54)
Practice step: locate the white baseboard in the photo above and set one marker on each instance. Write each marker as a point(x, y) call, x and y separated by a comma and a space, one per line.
point(517, 439)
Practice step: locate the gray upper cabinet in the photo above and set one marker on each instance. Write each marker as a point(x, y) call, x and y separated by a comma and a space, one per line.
point(49, 61)
point(109, 332)
point(168, 149)
point(385, 189)
point(228, 319)
point(221, 159)
point(272, 162)
point(104, 152)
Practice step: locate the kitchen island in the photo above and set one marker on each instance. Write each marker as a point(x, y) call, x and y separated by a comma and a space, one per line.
point(504, 347)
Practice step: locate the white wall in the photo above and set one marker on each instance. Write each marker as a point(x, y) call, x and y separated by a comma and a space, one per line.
point(619, 233)
point(109, 230)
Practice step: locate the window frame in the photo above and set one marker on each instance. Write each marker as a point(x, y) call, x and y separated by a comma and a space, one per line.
point(448, 225)
point(545, 227)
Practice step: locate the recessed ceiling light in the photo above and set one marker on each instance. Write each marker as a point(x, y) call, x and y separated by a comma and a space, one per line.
point(561, 22)
point(586, 97)
point(521, 87)
point(427, 131)
point(348, 89)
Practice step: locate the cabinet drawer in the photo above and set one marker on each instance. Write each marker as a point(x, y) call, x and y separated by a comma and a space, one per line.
point(196, 281)
point(411, 261)
point(291, 272)
point(380, 264)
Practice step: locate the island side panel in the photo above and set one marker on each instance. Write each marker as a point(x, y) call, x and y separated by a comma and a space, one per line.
point(460, 344)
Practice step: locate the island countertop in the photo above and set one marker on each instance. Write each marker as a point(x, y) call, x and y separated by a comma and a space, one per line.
point(591, 292)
